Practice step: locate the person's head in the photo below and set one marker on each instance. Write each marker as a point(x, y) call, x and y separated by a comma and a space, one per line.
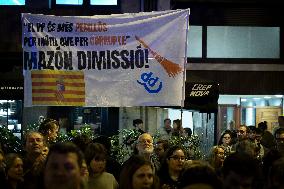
point(217, 156)
point(167, 123)
point(84, 172)
point(174, 159)
point(242, 132)
point(34, 144)
point(82, 141)
point(281, 121)
point(279, 137)
point(251, 132)
point(276, 174)
point(268, 160)
point(239, 170)
point(177, 124)
point(49, 129)
point(137, 173)
point(14, 167)
point(188, 131)
point(200, 175)
point(96, 156)
point(161, 147)
point(63, 167)
point(145, 144)
point(138, 123)
point(226, 138)
point(262, 126)
point(104, 140)
point(232, 125)
point(258, 135)
point(248, 147)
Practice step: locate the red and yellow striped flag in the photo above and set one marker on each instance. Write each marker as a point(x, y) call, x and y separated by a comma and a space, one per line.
point(54, 87)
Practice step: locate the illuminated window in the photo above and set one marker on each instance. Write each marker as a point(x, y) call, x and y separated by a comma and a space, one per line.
point(194, 42)
point(80, 2)
point(243, 42)
point(103, 2)
point(69, 2)
point(12, 2)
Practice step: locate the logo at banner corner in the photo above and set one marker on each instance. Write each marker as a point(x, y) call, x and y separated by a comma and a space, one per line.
point(172, 69)
point(60, 89)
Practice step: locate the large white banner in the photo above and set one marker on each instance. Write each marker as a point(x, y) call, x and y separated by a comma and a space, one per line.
point(135, 59)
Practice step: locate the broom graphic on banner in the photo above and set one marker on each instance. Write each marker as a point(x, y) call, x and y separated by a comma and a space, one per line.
point(171, 68)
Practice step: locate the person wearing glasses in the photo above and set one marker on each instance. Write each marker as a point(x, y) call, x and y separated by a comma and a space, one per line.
point(144, 147)
point(242, 133)
point(172, 168)
point(226, 141)
point(216, 158)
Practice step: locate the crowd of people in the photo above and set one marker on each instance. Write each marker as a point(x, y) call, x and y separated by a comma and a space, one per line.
point(248, 158)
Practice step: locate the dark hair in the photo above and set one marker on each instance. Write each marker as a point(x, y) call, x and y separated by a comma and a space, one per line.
point(165, 143)
point(276, 172)
point(241, 164)
point(262, 126)
point(82, 141)
point(188, 131)
point(246, 146)
point(258, 131)
point(164, 170)
point(178, 122)
point(65, 148)
point(200, 173)
point(9, 160)
point(104, 140)
point(171, 150)
point(222, 136)
point(167, 119)
point(129, 168)
point(271, 156)
point(47, 125)
point(279, 131)
point(137, 121)
point(95, 151)
point(251, 128)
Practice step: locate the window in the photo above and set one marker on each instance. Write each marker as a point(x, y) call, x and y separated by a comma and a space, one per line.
point(194, 42)
point(12, 2)
point(103, 2)
point(243, 42)
point(69, 2)
point(92, 2)
point(187, 121)
point(88, 115)
point(11, 116)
